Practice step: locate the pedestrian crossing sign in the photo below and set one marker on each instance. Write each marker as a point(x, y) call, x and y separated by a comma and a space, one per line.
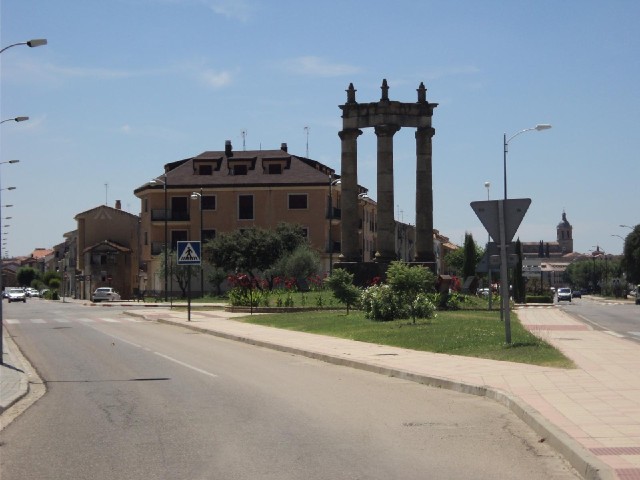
point(188, 253)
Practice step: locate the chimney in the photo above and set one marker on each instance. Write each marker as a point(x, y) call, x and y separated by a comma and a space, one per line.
point(283, 147)
point(228, 149)
point(118, 205)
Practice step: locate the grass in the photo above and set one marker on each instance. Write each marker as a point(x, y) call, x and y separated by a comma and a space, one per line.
point(466, 333)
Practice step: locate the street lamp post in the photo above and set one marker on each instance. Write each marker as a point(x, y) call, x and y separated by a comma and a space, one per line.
point(36, 42)
point(15, 119)
point(540, 126)
point(332, 183)
point(194, 196)
point(504, 272)
point(363, 197)
point(166, 236)
point(1, 279)
point(487, 185)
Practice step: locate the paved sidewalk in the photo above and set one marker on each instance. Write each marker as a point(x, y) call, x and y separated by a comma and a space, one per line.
point(590, 414)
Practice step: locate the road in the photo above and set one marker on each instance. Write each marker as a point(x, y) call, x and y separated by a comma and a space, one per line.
point(621, 319)
point(127, 398)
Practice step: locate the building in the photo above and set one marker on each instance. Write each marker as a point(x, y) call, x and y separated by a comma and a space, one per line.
point(102, 252)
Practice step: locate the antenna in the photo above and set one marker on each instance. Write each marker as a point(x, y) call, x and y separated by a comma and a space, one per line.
point(306, 129)
point(244, 136)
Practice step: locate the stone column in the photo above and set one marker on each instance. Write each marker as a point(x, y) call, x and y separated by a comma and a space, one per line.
point(386, 244)
point(424, 196)
point(349, 199)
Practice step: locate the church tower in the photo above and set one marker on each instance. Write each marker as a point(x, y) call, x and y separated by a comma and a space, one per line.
point(564, 232)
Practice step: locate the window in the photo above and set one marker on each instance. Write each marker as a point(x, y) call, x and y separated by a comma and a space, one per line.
point(274, 169)
point(179, 208)
point(146, 238)
point(208, 235)
point(297, 201)
point(245, 207)
point(205, 169)
point(239, 169)
point(208, 202)
point(178, 236)
point(305, 232)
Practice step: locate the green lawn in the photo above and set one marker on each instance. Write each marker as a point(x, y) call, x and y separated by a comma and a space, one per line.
point(467, 333)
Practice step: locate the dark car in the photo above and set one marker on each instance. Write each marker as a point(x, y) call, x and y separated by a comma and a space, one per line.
point(576, 294)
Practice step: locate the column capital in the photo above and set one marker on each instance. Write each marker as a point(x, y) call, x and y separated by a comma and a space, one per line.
point(428, 131)
point(349, 133)
point(386, 130)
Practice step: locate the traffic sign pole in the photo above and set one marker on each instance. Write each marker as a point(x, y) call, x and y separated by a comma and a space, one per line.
point(504, 273)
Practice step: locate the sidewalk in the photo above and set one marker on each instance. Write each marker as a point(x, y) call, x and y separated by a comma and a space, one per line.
point(590, 414)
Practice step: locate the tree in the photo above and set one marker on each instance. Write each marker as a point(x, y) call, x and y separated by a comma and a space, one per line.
point(455, 260)
point(179, 272)
point(471, 257)
point(253, 251)
point(631, 260)
point(26, 275)
point(299, 264)
point(216, 277)
point(341, 284)
point(408, 283)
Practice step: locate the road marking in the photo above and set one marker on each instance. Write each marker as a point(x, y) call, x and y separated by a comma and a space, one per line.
point(12, 321)
point(62, 320)
point(85, 320)
point(186, 365)
point(614, 334)
point(38, 320)
point(635, 334)
point(110, 320)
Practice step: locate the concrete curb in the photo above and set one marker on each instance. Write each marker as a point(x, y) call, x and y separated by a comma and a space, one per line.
point(18, 358)
point(584, 462)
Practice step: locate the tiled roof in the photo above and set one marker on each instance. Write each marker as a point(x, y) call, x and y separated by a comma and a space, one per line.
point(295, 170)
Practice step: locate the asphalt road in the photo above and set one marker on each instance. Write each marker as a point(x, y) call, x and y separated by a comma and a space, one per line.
point(130, 399)
point(617, 318)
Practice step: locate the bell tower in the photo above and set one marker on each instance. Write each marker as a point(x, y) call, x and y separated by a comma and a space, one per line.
point(564, 232)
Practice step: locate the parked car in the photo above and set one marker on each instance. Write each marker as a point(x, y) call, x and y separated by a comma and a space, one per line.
point(576, 294)
point(105, 293)
point(564, 293)
point(32, 292)
point(15, 294)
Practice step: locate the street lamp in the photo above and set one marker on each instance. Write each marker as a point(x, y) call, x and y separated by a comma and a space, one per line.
point(166, 235)
point(332, 183)
point(194, 196)
point(487, 185)
point(36, 42)
point(627, 226)
point(363, 197)
point(1, 287)
point(540, 126)
point(15, 119)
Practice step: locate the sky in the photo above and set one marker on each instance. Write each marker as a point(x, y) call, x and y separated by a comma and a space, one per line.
point(126, 86)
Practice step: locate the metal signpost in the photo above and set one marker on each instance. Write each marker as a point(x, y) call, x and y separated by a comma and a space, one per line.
point(502, 218)
point(188, 253)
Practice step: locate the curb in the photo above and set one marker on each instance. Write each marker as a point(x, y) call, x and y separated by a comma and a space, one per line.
point(585, 463)
point(18, 358)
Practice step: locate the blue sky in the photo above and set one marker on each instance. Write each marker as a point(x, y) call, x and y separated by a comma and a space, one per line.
point(125, 86)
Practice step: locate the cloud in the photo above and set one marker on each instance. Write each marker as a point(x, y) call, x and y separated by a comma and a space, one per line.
point(216, 79)
point(235, 9)
point(311, 65)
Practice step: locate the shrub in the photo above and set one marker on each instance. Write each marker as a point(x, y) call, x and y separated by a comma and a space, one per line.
point(380, 303)
point(341, 284)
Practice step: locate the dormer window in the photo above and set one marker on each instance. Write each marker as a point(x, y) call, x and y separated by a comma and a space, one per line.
point(239, 170)
point(205, 169)
point(274, 169)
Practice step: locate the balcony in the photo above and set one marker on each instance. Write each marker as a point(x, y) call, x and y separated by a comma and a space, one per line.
point(160, 214)
point(337, 213)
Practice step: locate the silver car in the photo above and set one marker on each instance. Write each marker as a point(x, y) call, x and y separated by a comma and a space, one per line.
point(16, 295)
point(105, 293)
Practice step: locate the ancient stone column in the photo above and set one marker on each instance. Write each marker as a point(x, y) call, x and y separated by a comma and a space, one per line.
point(386, 242)
point(349, 200)
point(424, 196)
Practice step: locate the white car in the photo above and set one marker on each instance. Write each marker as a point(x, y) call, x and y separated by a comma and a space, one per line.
point(564, 294)
point(105, 293)
point(32, 292)
point(16, 295)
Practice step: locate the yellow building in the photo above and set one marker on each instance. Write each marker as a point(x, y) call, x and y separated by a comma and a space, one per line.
point(223, 191)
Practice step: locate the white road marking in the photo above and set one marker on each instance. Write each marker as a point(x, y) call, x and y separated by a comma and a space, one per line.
point(38, 320)
point(186, 365)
